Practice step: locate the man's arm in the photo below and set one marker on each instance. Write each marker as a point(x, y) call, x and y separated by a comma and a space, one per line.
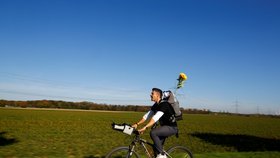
point(147, 116)
point(155, 118)
point(138, 123)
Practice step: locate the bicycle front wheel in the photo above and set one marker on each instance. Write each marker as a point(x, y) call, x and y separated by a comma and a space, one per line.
point(179, 152)
point(122, 152)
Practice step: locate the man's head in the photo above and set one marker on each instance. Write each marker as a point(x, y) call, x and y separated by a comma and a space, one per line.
point(156, 94)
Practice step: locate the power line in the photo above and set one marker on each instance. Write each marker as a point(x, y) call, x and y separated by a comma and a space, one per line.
point(61, 97)
point(59, 84)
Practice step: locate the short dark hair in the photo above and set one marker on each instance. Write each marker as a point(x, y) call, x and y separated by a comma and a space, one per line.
point(158, 90)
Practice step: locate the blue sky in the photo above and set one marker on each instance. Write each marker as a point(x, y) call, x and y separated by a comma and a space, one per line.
point(115, 51)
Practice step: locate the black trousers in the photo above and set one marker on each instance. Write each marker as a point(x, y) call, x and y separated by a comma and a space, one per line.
point(159, 135)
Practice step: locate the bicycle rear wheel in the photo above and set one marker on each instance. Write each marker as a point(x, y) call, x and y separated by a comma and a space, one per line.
point(122, 152)
point(179, 152)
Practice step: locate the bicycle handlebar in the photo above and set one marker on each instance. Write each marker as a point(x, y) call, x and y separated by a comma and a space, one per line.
point(136, 132)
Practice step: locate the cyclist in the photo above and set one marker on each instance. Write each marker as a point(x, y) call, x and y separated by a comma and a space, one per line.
point(163, 112)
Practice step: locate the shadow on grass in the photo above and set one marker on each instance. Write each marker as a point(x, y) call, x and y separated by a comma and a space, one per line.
point(91, 156)
point(240, 142)
point(6, 141)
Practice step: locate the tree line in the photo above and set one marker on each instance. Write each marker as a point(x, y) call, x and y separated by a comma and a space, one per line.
point(86, 106)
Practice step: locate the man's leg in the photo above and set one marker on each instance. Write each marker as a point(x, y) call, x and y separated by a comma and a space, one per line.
point(162, 140)
point(158, 136)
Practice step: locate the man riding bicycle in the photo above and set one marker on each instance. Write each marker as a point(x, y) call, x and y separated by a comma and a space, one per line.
point(163, 112)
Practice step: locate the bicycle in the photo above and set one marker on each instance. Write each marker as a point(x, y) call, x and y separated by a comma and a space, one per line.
point(130, 151)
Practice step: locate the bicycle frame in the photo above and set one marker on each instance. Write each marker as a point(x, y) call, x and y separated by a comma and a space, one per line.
point(142, 142)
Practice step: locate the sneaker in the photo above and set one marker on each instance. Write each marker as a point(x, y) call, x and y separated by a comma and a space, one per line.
point(161, 156)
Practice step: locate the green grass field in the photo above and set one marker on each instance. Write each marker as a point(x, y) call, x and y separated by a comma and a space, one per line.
point(61, 133)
